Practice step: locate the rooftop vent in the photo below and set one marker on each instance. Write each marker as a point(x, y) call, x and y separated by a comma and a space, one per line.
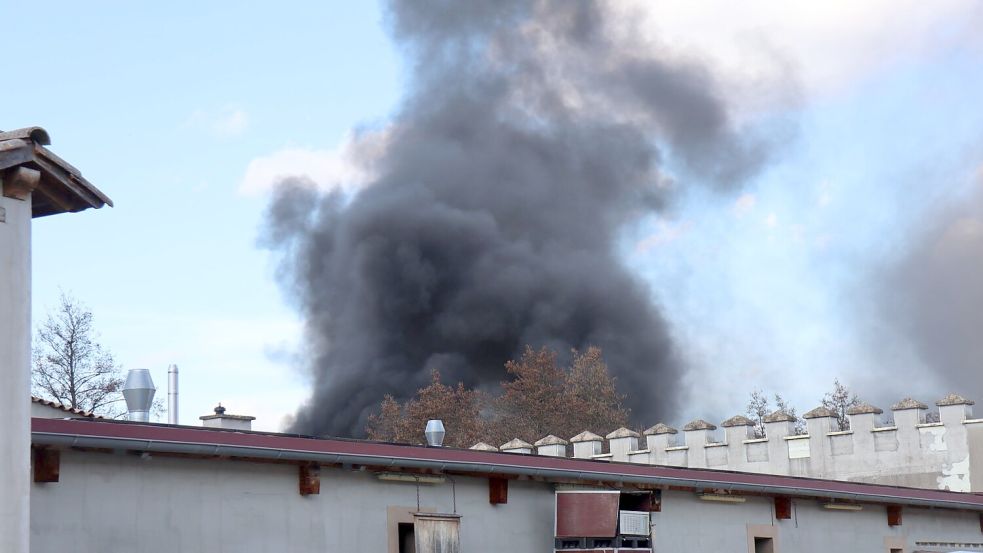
point(435, 433)
point(222, 420)
point(138, 391)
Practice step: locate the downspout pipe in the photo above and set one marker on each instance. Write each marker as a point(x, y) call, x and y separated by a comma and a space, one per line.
point(152, 446)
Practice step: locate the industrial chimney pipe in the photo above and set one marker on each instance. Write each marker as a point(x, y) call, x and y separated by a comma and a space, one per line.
point(138, 391)
point(172, 394)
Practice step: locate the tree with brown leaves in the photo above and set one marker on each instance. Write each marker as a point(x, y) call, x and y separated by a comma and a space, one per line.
point(541, 397)
point(458, 407)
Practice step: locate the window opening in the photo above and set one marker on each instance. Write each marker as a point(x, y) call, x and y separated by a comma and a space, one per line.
point(764, 545)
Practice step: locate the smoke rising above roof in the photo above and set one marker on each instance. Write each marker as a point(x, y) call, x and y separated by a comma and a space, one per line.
point(531, 134)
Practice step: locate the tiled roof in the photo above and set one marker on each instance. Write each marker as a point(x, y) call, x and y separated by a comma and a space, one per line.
point(63, 407)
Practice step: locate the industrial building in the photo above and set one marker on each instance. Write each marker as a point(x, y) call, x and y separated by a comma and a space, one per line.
point(71, 480)
point(141, 487)
point(907, 451)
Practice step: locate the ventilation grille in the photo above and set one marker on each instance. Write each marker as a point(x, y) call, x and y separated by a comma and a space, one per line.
point(634, 523)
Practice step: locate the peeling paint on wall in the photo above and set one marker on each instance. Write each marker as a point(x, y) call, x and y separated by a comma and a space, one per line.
point(955, 477)
point(933, 438)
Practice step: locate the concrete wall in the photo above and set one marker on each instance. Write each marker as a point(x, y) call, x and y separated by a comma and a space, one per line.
point(15, 371)
point(122, 502)
point(107, 502)
point(688, 524)
point(946, 455)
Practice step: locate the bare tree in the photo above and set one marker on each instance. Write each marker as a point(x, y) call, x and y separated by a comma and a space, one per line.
point(759, 407)
point(757, 410)
point(71, 366)
point(838, 401)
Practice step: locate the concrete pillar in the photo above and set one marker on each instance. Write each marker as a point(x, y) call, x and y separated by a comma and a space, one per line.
point(778, 425)
point(658, 438)
point(620, 442)
point(551, 446)
point(586, 445)
point(820, 422)
point(697, 435)
point(15, 361)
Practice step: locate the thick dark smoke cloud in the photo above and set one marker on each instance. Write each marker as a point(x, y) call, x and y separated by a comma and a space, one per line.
point(933, 295)
point(531, 134)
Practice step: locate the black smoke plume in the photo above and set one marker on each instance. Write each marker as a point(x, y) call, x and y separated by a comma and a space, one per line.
point(532, 132)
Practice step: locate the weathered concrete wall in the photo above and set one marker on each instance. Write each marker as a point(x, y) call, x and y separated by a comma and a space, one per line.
point(15, 371)
point(688, 524)
point(121, 502)
point(945, 455)
point(106, 502)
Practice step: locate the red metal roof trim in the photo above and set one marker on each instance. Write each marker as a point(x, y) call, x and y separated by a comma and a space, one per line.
point(582, 469)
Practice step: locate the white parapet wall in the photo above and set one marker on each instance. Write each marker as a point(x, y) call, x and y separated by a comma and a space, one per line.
point(945, 455)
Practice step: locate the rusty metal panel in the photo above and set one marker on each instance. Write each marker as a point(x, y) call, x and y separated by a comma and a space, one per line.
point(437, 533)
point(310, 479)
point(498, 491)
point(47, 465)
point(894, 515)
point(783, 508)
point(587, 514)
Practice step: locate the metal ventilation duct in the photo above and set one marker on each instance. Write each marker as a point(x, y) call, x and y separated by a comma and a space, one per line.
point(172, 394)
point(138, 391)
point(435, 433)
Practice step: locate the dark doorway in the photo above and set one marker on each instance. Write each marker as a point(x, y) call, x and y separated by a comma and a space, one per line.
point(407, 539)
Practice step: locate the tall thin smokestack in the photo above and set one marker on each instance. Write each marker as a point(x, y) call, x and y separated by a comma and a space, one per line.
point(138, 391)
point(172, 417)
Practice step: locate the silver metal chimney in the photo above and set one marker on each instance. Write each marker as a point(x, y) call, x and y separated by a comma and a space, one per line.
point(434, 433)
point(138, 391)
point(172, 394)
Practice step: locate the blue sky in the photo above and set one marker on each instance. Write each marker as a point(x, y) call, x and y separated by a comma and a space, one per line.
point(182, 111)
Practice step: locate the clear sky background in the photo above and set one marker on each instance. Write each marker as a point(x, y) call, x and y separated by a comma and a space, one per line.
point(185, 113)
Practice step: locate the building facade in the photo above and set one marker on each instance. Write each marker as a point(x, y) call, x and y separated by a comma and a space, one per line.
point(908, 451)
point(118, 486)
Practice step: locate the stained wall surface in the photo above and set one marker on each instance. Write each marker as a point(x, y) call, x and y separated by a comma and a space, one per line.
point(123, 502)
